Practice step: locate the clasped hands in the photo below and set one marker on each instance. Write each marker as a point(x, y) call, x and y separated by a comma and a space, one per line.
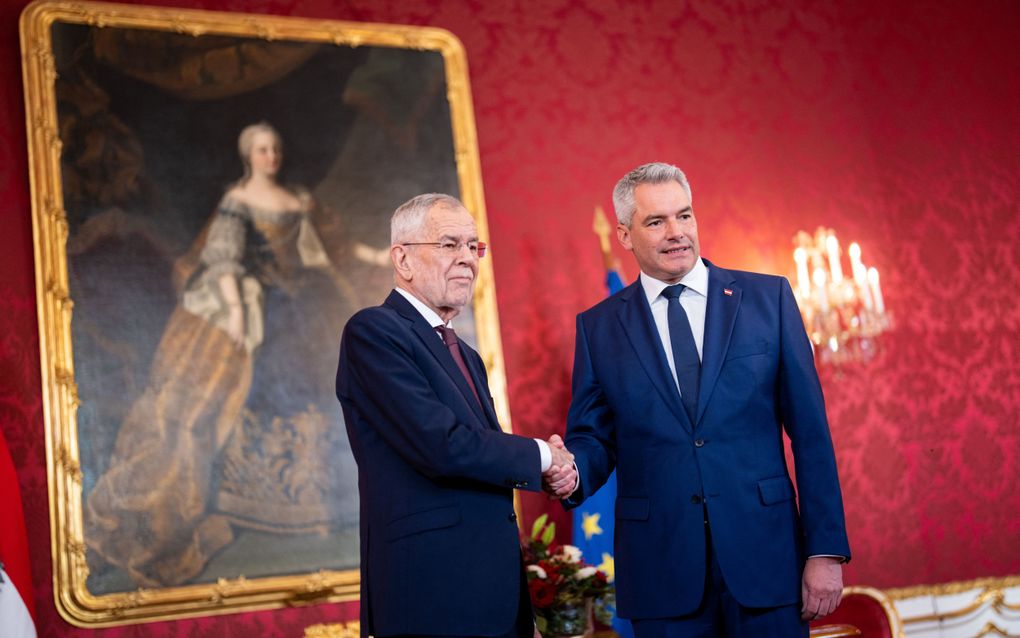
point(560, 480)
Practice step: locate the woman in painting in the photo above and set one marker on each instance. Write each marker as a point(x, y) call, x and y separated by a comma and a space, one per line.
point(238, 425)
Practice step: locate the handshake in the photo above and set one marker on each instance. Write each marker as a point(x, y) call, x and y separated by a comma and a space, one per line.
point(560, 480)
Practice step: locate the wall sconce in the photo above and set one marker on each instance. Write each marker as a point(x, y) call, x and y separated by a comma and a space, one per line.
point(843, 314)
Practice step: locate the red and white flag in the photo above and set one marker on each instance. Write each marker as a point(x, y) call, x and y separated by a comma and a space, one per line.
point(16, 605)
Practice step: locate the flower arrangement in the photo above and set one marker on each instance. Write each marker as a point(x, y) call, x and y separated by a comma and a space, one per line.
point(565, 590)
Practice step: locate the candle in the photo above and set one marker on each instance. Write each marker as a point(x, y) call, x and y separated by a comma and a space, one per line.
point(832, 244)
point(803, 283)
point(855, 261)
point(876, 290)
point(823, 297)
point(862, 286)
point(860, 274)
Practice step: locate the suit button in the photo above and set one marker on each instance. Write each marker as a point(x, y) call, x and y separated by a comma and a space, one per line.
point(512, 517)
point(699, 442)
point(696, 499)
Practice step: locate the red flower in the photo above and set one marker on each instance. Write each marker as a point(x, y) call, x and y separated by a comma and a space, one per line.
point(542, 593)
point(552, 570)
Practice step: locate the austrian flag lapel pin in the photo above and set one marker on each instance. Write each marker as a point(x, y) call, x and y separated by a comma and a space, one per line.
point(727, 292)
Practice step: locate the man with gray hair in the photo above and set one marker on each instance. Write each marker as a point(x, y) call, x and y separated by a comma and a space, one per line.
point(685, 382)
point(440, 552)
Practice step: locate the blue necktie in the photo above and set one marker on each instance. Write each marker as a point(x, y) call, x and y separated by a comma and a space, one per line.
point(685, 352)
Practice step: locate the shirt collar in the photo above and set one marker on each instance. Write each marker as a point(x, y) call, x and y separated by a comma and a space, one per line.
point(696, 280)
point(429, 314)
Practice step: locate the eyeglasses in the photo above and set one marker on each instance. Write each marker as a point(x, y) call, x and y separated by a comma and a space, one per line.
point(451, 248)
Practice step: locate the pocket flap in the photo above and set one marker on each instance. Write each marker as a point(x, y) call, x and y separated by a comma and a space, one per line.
point(738, 350)
point(437, 518)
point(633, 509)
point(775, 490)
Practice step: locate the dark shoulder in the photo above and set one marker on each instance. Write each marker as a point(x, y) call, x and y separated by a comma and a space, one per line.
point(753, 285)
point(373, 317)
point(376, 329)
point(612, 302)
point(748, 278)
point(742, 278)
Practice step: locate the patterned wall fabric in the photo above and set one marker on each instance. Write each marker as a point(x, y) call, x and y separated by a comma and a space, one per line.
point(895, 123)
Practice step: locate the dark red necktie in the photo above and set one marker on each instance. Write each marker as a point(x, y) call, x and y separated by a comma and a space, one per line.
point(450, 339)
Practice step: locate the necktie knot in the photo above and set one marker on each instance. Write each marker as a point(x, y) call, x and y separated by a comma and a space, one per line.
point(673, 292)
point(448, 334)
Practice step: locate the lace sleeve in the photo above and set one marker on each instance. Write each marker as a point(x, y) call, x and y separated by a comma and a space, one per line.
point(224, 246)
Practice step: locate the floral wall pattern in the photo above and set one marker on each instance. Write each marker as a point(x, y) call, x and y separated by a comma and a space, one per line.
point(896, 124)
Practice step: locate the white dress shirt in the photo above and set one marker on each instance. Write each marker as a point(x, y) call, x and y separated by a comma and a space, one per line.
point(435, 321)
point(694, 300)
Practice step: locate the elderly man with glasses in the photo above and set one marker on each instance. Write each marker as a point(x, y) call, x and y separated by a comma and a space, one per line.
point(440, 554)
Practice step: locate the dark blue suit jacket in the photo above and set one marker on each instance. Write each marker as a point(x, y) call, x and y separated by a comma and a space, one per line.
point(440, 552)
point(758, 378)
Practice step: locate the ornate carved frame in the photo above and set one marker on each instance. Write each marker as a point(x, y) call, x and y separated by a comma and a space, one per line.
point(988, 593)
point(55, 304)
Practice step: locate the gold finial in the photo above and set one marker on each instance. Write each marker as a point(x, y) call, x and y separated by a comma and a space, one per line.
point(602, 228)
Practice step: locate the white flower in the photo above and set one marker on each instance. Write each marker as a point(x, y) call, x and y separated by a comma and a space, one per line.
point(585, 572)
point(571, 554)
point(538, 571)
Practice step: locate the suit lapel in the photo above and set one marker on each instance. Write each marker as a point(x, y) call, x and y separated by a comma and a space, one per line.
point(638, 325)
point(474, 364)
point(720, 315)
point(435, 345)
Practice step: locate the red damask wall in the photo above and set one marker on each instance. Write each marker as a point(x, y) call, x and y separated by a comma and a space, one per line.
point(895, 123)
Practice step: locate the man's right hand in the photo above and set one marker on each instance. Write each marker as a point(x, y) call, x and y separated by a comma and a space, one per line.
point(560, 480)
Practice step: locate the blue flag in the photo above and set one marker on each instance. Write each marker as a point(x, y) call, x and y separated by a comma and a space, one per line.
point(594, 519)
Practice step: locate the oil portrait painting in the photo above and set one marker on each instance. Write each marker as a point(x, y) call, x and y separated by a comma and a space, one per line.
point(225, 191)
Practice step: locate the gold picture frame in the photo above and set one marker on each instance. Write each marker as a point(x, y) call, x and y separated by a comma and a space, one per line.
point(103, 175)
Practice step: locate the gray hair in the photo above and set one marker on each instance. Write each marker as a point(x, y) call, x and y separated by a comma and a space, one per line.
point(653, 173)
point(246, 140)
point(410, 216)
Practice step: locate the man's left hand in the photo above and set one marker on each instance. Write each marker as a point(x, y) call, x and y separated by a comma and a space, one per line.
point(822, 587)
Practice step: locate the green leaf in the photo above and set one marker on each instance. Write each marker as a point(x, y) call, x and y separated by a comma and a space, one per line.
point(549, 534)
point(536, 528)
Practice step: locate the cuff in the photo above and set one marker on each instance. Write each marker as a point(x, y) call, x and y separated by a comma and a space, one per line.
point(544, 453)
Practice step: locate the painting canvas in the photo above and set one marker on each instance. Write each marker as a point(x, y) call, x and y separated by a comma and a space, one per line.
point(211, 200)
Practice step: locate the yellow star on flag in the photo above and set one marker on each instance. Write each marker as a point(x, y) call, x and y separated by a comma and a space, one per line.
point(608, 566)
point(591, 525)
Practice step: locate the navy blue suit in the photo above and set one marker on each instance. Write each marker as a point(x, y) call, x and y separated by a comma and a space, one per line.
point(757, 379)
point(440, 552)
